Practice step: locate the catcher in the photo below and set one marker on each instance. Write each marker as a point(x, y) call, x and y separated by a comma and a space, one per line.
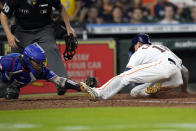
point(18, 70)
point(154, 65)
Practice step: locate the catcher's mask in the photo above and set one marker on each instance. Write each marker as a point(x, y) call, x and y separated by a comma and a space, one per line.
point(34, 56)
point(143, 38)
point(71, 44)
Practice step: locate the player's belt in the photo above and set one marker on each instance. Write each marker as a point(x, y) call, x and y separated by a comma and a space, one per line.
point(169, 59)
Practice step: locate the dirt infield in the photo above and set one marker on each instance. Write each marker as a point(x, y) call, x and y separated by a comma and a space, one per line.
point(163, 99)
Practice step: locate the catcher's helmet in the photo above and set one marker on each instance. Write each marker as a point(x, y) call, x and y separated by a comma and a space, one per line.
point(34, 52)
point(143, 38)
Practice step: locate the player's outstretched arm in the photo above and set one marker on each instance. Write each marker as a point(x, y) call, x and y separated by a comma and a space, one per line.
point(65, 83)
point(59, 81)
point(185, 77)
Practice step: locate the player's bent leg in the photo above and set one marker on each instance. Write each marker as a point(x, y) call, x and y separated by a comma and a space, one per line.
point(149, 73)
point(175, 81)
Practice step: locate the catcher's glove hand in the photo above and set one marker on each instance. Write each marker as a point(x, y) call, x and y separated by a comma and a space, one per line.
point(91, 82)
point(71, 44)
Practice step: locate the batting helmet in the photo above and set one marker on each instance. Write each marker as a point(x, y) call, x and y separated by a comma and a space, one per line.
point(143, 38)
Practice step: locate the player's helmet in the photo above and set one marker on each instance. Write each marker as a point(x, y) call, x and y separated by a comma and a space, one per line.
point(143, 38)
point(34, 53)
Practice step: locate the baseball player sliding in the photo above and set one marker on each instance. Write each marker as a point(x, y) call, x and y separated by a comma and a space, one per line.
point(153, 65)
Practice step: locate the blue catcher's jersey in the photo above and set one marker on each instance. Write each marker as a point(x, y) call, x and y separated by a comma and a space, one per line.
point(13, 72)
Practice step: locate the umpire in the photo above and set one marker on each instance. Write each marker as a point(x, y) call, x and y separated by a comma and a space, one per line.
point(34, 24)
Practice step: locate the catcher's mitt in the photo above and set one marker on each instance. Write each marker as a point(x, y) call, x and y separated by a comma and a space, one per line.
point(71, 44)
point(91, 82)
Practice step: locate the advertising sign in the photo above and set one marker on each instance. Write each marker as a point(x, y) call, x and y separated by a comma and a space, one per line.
point(93, 58)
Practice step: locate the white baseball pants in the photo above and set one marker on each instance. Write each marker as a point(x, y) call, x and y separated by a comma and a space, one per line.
point(161, 71)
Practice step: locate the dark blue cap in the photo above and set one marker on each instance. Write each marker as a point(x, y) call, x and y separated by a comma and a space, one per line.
point(143, 38)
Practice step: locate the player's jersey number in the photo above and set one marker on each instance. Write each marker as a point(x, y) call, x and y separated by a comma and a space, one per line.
point(6, 8)
point(160, 48)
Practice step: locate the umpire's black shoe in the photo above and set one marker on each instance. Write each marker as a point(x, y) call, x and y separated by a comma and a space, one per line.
point(61, 91)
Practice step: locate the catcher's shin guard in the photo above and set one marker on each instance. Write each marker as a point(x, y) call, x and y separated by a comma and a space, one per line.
point(92, 95)
point(153, 89)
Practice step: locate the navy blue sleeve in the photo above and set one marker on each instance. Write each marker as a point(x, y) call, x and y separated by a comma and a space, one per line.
point(48, 74)
point(9, 7)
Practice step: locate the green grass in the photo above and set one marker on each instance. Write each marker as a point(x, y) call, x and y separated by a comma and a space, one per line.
point(97, 119)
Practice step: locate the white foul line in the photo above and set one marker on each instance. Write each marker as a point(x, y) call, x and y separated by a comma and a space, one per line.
point(168, 101)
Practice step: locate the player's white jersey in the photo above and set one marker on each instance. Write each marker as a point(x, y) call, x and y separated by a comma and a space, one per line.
point(152, 53)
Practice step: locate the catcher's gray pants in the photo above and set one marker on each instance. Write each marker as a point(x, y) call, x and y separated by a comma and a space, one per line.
point(45, 36)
